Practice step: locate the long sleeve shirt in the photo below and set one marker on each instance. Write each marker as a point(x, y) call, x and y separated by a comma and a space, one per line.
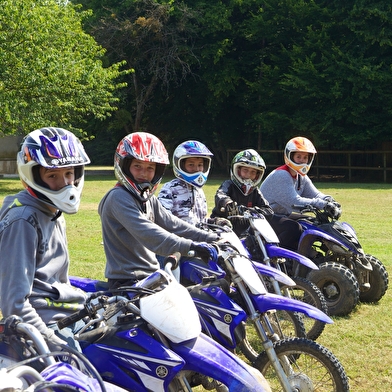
point(184, 201)
point(135, 232)
point(283, 191)
point(34, 264)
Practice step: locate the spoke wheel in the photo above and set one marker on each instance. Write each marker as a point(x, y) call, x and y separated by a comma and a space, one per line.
point(306, 291)
point(285, 325)
point(312, 367)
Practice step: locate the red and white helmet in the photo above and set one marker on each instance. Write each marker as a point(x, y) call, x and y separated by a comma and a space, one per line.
point(52, 148)
point(299, 144)
point(144, 147)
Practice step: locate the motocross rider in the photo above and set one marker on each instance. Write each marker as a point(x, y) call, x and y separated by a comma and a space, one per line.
point(135, 226)
point(289, 185)
point(247, 170)
point(34, 257)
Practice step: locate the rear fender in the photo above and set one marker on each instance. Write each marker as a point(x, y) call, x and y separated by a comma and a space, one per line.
point(270, 301)
point(309, 236)
point(88, 285)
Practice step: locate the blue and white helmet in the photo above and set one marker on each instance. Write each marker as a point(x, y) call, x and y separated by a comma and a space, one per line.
point(192, 149)
point(52, 148)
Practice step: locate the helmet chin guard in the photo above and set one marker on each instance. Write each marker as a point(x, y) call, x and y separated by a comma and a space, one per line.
point(53, 148)
point(251, 159)
point(299, 144)
point(144, 147)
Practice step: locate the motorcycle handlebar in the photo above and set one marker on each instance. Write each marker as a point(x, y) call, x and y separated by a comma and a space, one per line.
point(88, 310)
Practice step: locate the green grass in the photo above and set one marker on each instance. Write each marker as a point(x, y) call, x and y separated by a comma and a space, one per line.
point(361, 341)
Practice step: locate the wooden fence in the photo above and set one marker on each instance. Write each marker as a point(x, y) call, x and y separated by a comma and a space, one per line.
point(344, 166)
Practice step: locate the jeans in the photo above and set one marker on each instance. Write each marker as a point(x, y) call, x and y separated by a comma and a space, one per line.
point(68, 333)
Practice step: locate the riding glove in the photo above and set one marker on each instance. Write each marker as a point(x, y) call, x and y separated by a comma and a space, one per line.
point(203, 250)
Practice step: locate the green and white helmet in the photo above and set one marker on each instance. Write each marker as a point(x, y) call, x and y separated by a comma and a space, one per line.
point(247, 158)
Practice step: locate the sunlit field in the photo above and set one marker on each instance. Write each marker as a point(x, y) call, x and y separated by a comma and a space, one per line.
point(361, 341)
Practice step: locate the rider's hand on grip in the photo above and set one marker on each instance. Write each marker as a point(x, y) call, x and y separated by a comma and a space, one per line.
point(203, 250)
point(333, 209)
point(231, 208)
point(218, 221)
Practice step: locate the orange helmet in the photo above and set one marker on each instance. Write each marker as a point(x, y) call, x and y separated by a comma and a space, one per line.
point(299, 144)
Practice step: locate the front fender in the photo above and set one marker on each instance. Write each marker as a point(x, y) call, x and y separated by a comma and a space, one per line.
point(310, 235)
point(273, 273)
point(277, 251)
point(205, 356)
point(269, 301)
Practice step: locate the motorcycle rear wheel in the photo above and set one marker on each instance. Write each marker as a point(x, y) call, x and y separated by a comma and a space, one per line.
point(306, 291)
point(378, 280)
point(313, 367)
point(338, 285)
point(285, 325)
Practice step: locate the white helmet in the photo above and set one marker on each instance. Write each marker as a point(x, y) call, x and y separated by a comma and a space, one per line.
point(192, 149)
point(299, 144)
point(52, 148)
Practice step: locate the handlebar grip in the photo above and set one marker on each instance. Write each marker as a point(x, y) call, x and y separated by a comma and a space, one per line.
point(173, 259)
point(69, 320)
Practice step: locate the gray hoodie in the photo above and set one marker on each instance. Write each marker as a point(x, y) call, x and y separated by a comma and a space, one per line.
point(34, 263)
point(134, 232)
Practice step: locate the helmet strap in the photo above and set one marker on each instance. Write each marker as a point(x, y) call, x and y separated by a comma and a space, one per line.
point(58, 214)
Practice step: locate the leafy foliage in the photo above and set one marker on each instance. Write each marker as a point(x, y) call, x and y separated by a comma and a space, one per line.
point(51, 70)
point(233, 73)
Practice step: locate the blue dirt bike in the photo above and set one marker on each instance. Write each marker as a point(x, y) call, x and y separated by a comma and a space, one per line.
point(262, 244)
point(235, 311)
point(151, 340)
point(26, 364)
point(296, 363)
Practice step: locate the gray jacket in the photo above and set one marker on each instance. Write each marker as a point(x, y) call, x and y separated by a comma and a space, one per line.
point(134, 232)
point(34, 264)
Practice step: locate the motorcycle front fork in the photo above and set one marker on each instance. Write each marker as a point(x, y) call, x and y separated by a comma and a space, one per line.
point(282, 366)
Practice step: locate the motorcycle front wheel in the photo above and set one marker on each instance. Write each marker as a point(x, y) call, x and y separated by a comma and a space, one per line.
point(284, 324)
point(306, 291)
point(307, 365)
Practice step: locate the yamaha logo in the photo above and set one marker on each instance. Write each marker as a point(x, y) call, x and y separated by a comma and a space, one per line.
point(161, 371)
point(228, 318)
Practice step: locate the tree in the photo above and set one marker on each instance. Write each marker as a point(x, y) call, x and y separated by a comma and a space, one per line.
point(51, 71)
point(259, 72)
point(341, 71)
point(155, 38)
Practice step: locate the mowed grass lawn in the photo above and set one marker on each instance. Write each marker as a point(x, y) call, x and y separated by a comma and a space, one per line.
point(361, 341)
